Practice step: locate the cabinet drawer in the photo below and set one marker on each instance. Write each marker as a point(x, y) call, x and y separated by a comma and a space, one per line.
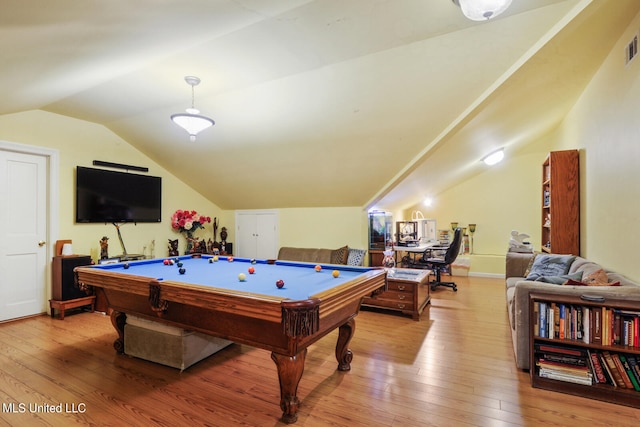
point(400, 286)
point(390, 304)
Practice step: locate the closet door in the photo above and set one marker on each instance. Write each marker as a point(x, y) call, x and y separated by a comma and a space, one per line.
point(257, 234)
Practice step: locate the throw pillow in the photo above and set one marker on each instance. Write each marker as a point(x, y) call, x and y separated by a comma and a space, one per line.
point(356, 257)
point(528, 269)
point(561, 280)
point(596, 278)
point(339, 256)
point(550, 265)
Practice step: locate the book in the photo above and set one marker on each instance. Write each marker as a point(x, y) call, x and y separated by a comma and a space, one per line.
point(586, 330)
point(562, 321)
point(597, 333)
point(607, 371)
point(627, 369)
point(596, 367)
point(543, 320)
point(536, 318)
point(623, 371)
point(635, 368)
point(615, 373)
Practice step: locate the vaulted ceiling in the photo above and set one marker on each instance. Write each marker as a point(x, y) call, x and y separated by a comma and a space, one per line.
point(316, 102)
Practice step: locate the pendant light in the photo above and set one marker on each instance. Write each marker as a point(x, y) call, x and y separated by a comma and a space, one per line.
point(192, 121)
point(482, 10)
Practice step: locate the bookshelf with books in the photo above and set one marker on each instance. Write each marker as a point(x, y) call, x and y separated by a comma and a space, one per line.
point(587, 346)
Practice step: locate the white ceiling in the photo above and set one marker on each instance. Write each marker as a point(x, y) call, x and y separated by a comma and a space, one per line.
point(316, 102)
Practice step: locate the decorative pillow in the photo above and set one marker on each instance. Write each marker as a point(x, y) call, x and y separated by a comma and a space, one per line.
point(596, 278)
point(356, 257)
point(561, 280)
point(339, 256)
point(528, 269)
point(550, 265)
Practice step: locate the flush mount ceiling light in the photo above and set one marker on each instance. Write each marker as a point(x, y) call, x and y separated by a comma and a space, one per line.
point(482, 10)
point(495, 157)
point(192, 121)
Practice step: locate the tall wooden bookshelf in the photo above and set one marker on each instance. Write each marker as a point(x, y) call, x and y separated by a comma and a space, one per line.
point(561, 203)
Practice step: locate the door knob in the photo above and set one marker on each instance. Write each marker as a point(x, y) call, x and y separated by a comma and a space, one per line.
point(41, 243)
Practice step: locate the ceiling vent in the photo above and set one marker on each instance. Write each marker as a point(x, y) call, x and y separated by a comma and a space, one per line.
point(631, 49)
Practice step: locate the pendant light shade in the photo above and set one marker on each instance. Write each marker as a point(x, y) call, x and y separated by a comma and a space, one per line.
point(192, 121)
point(482, 10)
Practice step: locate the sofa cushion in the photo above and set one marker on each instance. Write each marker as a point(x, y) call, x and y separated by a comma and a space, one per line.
point(339, 256)
point(550, 265)
point(561, 280)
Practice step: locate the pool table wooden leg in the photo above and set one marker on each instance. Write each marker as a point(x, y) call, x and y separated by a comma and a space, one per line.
point(290, 370)
point(344, 356)
point(118, 320)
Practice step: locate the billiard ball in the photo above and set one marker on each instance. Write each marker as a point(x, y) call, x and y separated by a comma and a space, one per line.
point(171, 262)
point(251, 270)
point(280, 283)
point(210, 260)
point(230, 259)
point(242, 277)
point(126, 265)
point(165, 262)
point(253, 260)
point(182, 270)
point(318, 268)
point(180, 264)
point(336, 273)
point(215, 258)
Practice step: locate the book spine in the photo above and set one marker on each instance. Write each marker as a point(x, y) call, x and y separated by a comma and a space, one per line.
point(617, 377)
point(597, 332)
point(596, 367)
point(543, 320)
point(586, 325)
point(623, 372)
point(629, 372)
point(562, 320)
point(606, 370)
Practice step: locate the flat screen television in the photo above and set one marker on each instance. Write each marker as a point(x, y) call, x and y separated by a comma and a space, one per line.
point(116, 197)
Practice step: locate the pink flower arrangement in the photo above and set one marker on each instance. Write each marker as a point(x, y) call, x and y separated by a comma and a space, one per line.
point(188, 221)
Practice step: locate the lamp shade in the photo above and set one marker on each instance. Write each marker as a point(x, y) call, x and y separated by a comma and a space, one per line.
point(192, 123)
point(482, 10)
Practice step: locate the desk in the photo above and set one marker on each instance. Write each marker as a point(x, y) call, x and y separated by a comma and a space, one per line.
point(209, 298)
point(412, 252)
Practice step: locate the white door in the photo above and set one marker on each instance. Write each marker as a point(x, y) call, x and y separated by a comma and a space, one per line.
point(23, 230)
point(257, 234)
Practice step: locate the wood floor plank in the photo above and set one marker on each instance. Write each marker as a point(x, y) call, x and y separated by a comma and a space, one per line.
point(453, 367)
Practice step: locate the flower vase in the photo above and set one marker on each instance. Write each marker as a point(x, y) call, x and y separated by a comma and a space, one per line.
point(190, 240)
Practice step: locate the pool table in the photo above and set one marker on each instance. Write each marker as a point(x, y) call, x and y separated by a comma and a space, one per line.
point(208, 296)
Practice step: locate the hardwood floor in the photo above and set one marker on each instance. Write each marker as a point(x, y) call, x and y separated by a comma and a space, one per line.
point(454, 367)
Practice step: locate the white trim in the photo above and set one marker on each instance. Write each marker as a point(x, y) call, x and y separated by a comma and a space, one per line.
point(53, 194)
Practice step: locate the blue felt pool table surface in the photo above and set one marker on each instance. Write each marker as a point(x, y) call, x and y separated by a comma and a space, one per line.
point(301, 279)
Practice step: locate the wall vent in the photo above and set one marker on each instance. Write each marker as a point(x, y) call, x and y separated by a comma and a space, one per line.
point(631, 49)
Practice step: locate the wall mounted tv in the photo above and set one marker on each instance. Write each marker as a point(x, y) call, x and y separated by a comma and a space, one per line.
point(115, 197)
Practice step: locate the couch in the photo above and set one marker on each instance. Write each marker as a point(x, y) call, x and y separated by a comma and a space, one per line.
point(343, 255)
point(522, 279)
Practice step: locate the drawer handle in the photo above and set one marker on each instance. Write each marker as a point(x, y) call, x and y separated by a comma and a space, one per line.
point(401, 288)
point(401, 296)
point(401, 306)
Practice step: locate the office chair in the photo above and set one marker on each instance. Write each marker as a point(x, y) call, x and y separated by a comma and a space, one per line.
point(438, 264)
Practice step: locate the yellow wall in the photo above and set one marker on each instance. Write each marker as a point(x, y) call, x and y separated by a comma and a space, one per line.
point(79, 143)
point(323, 227)
point(605, 127)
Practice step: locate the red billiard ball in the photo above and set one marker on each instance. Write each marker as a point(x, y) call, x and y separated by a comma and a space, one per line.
point(165, 262)
point(251, 270)
point(318, 268)
point(280, 283)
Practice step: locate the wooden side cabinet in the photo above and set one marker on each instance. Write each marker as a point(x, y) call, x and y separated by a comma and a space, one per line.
point(561, 203)
point(64, 294)
point(407, 292)
point(585, 346)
